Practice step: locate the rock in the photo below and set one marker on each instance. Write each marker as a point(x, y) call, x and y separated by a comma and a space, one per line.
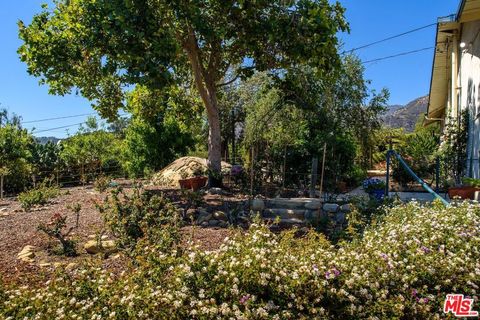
point(27, 254)
point(105, 246)
point(223, 224)
point(313, 205)
point(184, 167)
point(258, 205)
point(204, 224)
point(220, 215)
point(104, 237)
point(311, 215)
point(204, 217)
point(331, 207)
point(71, 266)
point(92, 236)
point(213, 223)
point(346, 208)
point(340, 217)
point(44, 265)
point(190, 214)
point(202, 211)
point(215, 191)
point(57, 264)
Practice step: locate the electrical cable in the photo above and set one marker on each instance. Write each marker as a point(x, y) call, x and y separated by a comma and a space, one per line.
point(389, 38)
point(397, 55)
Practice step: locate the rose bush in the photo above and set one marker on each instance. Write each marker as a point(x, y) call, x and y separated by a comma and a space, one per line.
point(400, 268)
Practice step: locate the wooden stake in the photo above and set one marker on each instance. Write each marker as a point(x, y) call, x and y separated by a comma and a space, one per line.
point(323, 169)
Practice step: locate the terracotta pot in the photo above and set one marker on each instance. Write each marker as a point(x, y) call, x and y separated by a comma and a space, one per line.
point(185, 183)
point(463, 192)
point(194, 183)
point(198, 182)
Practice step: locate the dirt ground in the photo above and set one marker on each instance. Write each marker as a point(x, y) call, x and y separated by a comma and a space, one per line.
point(19, 229)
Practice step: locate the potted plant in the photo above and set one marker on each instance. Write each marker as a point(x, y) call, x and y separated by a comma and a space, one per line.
point(375, 188)
point(466, 190)
point(199, 180)
point(184, 182)
point(453, 156)
point(194, 183)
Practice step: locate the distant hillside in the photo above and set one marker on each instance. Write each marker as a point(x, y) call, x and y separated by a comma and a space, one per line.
point(44, 140)
point(406, 116)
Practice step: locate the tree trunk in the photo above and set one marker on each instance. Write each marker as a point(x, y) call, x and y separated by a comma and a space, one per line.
point(205, 83)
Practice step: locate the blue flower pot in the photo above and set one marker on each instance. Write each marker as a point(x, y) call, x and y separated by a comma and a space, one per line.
point(378, 194)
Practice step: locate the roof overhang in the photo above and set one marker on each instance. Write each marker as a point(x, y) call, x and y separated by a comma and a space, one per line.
point(441, 69)
point(469, 10)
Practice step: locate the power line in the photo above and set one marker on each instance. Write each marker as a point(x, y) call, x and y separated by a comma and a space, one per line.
point(58, 118)
point(62, 127)
point(389, 38)
point(398, 55)
point(65, 117)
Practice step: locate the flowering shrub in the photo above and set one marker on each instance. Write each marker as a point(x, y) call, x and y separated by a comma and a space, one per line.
point(373, 184)
point(403, 267)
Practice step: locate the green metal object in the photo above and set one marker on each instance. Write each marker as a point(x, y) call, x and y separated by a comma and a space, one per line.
point(419, 180)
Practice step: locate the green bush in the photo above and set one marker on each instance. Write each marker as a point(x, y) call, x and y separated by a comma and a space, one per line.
point(102, 183)
point(140, 216)
point(37, 196)
point(402, 268)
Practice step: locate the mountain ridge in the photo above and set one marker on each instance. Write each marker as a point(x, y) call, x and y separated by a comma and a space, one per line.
point(398, 116)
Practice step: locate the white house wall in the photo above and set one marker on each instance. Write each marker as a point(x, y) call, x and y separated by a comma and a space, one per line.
point(469, 81)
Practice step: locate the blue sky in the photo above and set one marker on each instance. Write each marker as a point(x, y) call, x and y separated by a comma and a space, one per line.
point(406, 77)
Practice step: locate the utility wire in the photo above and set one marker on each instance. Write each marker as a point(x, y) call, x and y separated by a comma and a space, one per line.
point(66, 117)
point(62, 127)
point(389, 38)
point(58, 118)
point(397, 55)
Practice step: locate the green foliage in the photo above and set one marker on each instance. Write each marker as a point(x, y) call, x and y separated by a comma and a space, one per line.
point(419, 149)
point(140, 216)
point(88, 151)
point(452, 151)
point(160, 128)
point(471, 182)
point(15, 156)
point(37, 196)
point(400, 268)
point(45, 157)
point(100, 48)
point(102, 183)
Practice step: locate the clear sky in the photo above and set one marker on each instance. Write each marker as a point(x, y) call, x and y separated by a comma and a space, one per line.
point(406, 77)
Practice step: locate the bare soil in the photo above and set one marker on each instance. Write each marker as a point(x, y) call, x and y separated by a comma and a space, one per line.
point(19, 228)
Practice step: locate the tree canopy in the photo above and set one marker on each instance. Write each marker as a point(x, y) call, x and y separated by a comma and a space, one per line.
point(100, 48)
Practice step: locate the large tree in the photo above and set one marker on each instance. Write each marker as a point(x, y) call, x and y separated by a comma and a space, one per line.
point(100, 48)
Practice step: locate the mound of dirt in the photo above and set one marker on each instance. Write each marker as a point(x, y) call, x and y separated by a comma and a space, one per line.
point(181, 168)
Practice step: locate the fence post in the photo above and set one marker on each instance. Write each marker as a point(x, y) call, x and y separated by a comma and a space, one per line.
point(323, 169)
point(437, 173)
point(252, 163)
point(387, 179)
point(1, 186)
point(313, 178)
